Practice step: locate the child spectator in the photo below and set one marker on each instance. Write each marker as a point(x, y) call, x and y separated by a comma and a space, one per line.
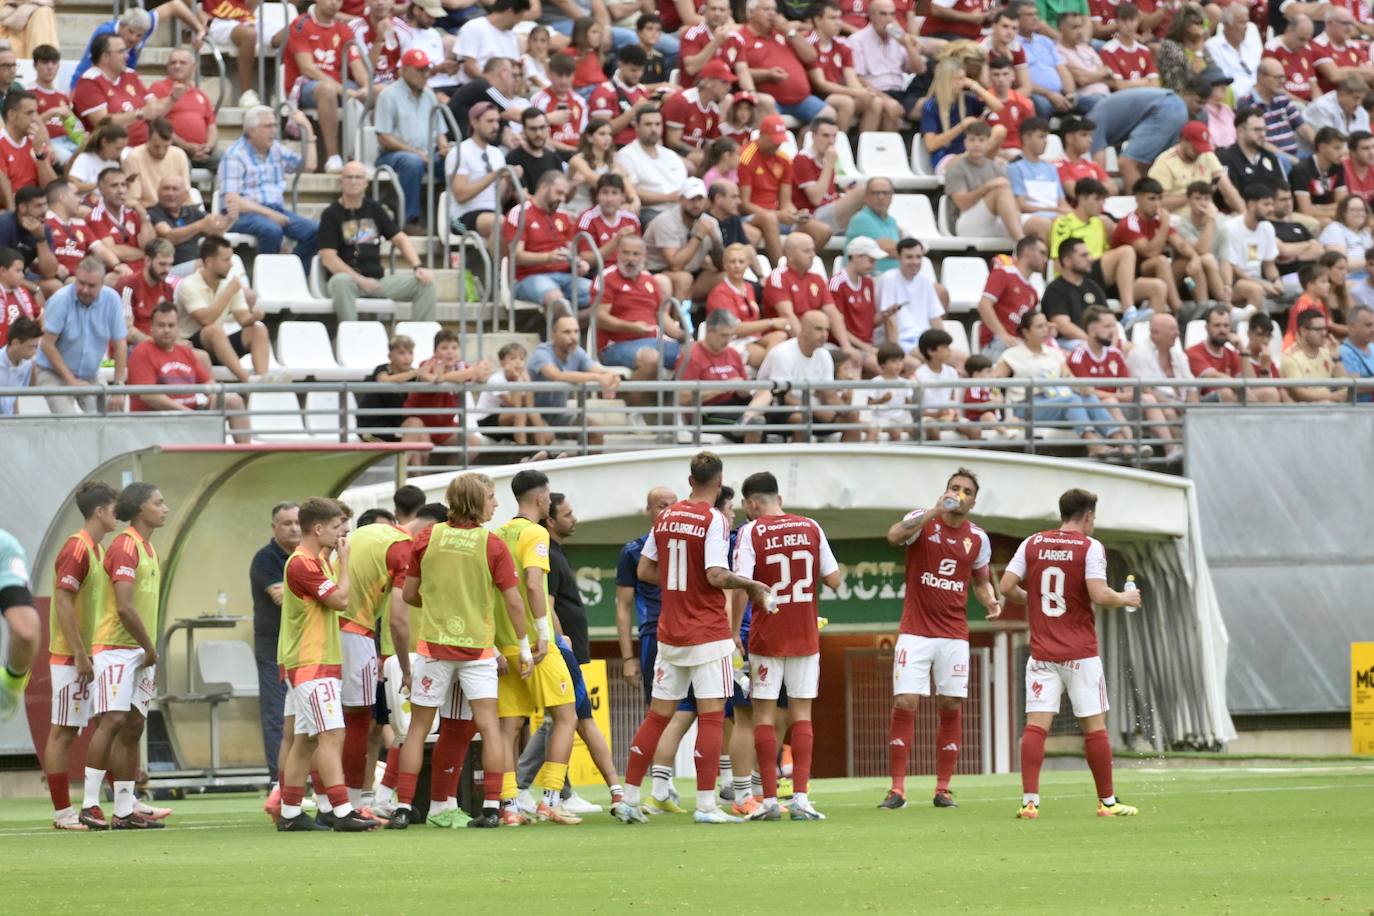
point(741, 119)
point(587, 37)
point(981, 403)
point(442, 410)
point(509, 415)
point(937, 403)
point(399, 367)
point(886, 410)
point(536, 58)
point(721, 162)
point(649, 29)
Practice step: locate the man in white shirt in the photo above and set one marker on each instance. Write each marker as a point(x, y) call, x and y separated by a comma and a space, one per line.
point(1236, 48)
point(801, 361)
point(656, 172)
point(1161, 358)
point(417, 30)
point(1252, 251)
point(474, 184)
point(907, 303)
point(484, 37)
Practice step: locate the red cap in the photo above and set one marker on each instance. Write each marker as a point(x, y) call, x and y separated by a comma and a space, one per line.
point(1195, 132)
point(716, 70)
point(415, 58)
point(773, 128)
point(743, 96)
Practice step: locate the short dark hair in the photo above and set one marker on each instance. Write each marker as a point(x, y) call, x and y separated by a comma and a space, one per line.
point(160, 126)
point(977, 362)
point(93, 495)
point(525, 481)
point(909, 243)
point(1026, 243)
point(1035, 125)
point(1093, 313)
point(706, 467)
point(1077, 126)
point(24, 329)
point(555, 500)
point(1307, 316)
point(1088, 187)
point(979, 129)
point(762, 483)
point(999, 62)
point(889, 351)
point(371, 516)
point(1128, 10)
point(8, 256)
point(212, 245)
point(1309, 273)
point(408, 499)
point(1068, 247)
point(444, 335)
point(967, 475)
point(633, 55)
point(562, 65)
point(932, 340)
point(1028, 319)
point(609, 180)
point(46, 54)
point(726, 494)
point(1257, 190)
point(106, 173)
point(316, 510)
point(1246, 114)
point(1357, 137)
point(1076, 503)
point(645, 20)
point(131, 500)
point(14, 99)
point(433, 512)
point(645, 108)
point(100, 44)
point(28, 193)
point(1198, 187)
point(1262, 323)
point(165, 306)
point(1328, 135)
point(531, 113)
point(1147, 186)
point(1006, 12)
point(1218, 309)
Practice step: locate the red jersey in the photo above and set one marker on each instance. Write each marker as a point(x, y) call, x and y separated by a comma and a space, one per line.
point(1304, 303)
point(1134, 63)
point(445, 399)
point(1135, 227)
point(1015, 109)
point(73, 565)
point(237, 10)
point(594, 223)
point(95, 91)
point(15, 304)
point(765, 174)
point(1110, 365)
point(763, 52)
point(307, 579)
point(1103, 12)
point(1260, 371)
point(940, 561)
point(149, 364)
point(634, 299)
point(190, 115)
point(121, 228)
point(49, 99)
point(331, 47)
point(144, 297)
point(1322, 51)
point(857, 304)
point(834, 60)
point(1077, 169)
point(703, 365)
point(855, 12)
point(121, 560)
point(806, 291)
point(570, 131)
point(613, 98)
point(693, 41)
point(588, 71)
point(806, 170)
point(70, 241)
point(17, 162)
point(739, 301)
point(1356, 183)
point(1201, 358)
point(672, 19)
point(1014, 52)
point(789, 554)
point(1299, 72)
point(687, 539)
point(1012, 297)
point(699, 123)
point(934, 25)
point(976, 402)
point(388, 68)
point(1054, 567)
point(543, 232)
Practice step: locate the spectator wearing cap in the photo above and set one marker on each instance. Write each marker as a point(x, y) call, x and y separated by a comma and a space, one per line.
point(766, 183)
point(489, 35)
point(543, 273)
point(111, 91)
point(351, 232)
point(476, 184)
point(691, 118)
point(617, 98)
point(656, 172)
point(252, 176)
point(855, 295)
point(1319, 181)
point(192, 116)
point(1236, 47)
point(1190, 160)
point(627, 318)
point(406, 126)
point(888, 57)
point(533, 158)
point(1284, 123)
point(1343, 109)
point(774, 61)
point(416, 30)
point(133, 28)
point(24, 152)
point(1141, 123)
point(686, 246)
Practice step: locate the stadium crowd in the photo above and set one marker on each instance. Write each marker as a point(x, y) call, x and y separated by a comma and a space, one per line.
point(703, 149)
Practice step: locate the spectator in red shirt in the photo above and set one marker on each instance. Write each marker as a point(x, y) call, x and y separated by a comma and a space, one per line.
point(1293, 50)
point(608, 222)
point(1160, 251)
point(1215, 357)
point(447, 369)
point(146, 290)
point(691, 118)
point(835, 79)
point(319, 48)
point(1258, 361)
point(813, 181)
point(566, 109)
point(162, 359)
point(774, 62)
point(15, 302)
point(856, 300)
point(72, 236)
point(955, 19)
point(119, 227)
point(194, 128)
point(1130, 60)
point(710, 39)
point(766, 180)
point(542, 271)
point(54, 104)
point(1078, 163)
point(1008, 296)
point(24, 155)
point(715, 358)
point(736, 295)
point(1016, 107)
point(793, 289)
point(109, 91)
point(616, 99)
point(627, 320)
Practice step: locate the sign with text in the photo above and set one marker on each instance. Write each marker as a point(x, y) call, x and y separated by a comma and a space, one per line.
point(1362, 698)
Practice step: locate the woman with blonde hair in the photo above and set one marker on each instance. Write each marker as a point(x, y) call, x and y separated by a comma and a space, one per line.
point(956, 102)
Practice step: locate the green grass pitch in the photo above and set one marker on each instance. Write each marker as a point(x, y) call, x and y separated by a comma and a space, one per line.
point(1241, 841)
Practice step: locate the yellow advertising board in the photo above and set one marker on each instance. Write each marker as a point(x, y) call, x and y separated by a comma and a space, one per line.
point(1362, 698)
point(581, 769)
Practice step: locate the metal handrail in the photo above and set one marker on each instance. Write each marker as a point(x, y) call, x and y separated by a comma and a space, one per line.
point(549, 317)
point(474, 240)
point(433, 147)
point(218, 57)
point(506, 267)
point(264, 45)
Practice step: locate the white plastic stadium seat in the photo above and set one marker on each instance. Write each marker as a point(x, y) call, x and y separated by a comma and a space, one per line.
point(319, 288)
point(1054, 148)
point(304, 349)
point(422, 332)
point(1140, 332)
point(233, 238)
point(927, 270)
point(322, 418)
point(964, 279)
point(921, 163)
point(883, 155)
point(975, 335)
point(845, 166)
point(1112, 166)
point(361, 344)
point(916, 219)
point(1194, 333)
point(279, 281)
point(275, 416)
point(1118, 207)
point(958, 334)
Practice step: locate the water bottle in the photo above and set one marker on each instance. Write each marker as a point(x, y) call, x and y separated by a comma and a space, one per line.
point(1129, 587)
point(222, 604)
point(949, 504)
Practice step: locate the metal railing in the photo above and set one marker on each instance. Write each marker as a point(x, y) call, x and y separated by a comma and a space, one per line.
point(599, 266)
point(679, 412)
point(506, 266)
point(431, 199)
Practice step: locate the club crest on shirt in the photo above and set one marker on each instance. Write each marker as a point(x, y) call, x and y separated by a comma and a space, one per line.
point(968, 545)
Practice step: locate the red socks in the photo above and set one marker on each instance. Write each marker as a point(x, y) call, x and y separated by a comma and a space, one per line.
point(1097, 747)
point(901, 731)
point(710, 728)
point(1032, 758)
point(947, 746)
point(766, 749)
point(60, 791)
point(491, 787)
point(803, 739)
point(405, 787)
point(292, 795)
point(645, 742)
point(338, 796)
point(393, 767)
point(450, 751)
point(357, 726)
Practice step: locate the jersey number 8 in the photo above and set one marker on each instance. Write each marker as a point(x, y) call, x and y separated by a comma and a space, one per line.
point(800, 593)
point(1052, 592)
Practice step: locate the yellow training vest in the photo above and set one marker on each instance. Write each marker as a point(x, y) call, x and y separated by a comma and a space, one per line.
point(109, 630)
point(88, 600)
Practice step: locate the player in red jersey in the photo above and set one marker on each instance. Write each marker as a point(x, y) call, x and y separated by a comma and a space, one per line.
point(790, 553)
point(944, 551)
point(691, 539)
point(1065, 574)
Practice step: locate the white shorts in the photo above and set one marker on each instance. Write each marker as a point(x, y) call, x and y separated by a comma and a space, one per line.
point(709, 680)
point(978, 220)
point(359, 669)
point(120, 684)
point(917, 656)
point(801, 674)
point(71, 700)
point(1083, 680)
point(436, 682)
point(316, 706)
point(219, 30)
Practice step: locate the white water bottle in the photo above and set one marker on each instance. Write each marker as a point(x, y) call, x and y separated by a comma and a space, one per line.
point(1129, 587)
point(222, 604)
